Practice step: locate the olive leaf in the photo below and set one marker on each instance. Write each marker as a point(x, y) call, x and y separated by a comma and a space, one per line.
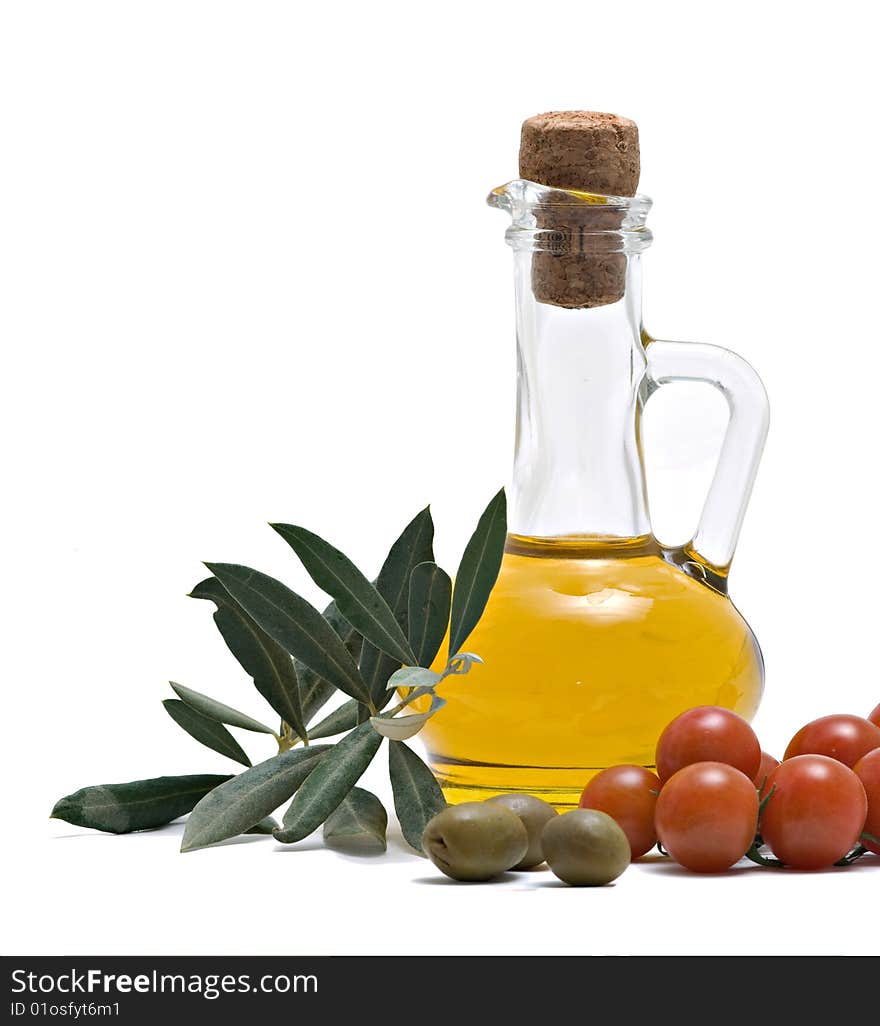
point(478, 571)
point(414, 545)
point(136, 805)
point(267, 825)
point(218, 711)
point(205, 730)
point(358, 601)
point(325, 789)
point(414, 677)
point(417, 795)
point(240, 803)
point(399, 728)
point(316, 691)
point(358, 824)
point(376, 668)
point(461, 663)
point(295, 624)
point(430, 595)
point(345, 717)
point(261, 657)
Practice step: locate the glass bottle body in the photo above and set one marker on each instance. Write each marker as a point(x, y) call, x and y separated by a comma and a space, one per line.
point(594, 636)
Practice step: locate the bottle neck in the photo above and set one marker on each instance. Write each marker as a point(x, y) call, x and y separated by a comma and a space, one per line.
point(578, 470)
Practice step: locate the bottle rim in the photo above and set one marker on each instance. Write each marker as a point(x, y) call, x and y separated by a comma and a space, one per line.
point(564, 221)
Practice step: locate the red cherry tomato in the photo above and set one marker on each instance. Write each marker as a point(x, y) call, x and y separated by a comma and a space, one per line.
point(874, 717)
point(867, 769)
point(628, 794)
point(815, 813)
point(842, 737)
point(708, 733)
point(768, 764)
point(707, 815)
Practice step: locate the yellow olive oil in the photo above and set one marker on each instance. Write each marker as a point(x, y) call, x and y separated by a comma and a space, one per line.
point(590, 648)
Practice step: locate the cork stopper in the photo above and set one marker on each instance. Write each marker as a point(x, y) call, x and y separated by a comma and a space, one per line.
point(581, 149)
point(591, 152)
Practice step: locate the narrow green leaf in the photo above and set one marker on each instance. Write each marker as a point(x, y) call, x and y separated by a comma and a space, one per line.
point(417, 795)
point(267, 825)
point(414, 546)
point(136, 805)
point(358, 601)
point(208, 732)
point(218, 711)
point(261, 657)
point(414, 677)
point(358, 824)
point(295, 624)
point(376, 668)
point(244, 801)
point(478, 571)
point(344, 718)
point(316, 691)
point(401, 727)
point(430, 596)
point(325, 789)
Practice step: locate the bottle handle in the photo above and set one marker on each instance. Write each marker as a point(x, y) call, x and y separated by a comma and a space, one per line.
point(714, 541)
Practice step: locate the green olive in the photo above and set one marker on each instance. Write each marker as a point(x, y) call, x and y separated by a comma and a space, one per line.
point(534, 814)
point(585, 848)
point(475, 840)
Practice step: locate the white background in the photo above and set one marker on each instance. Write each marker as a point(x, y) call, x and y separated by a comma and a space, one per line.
point(247, 275)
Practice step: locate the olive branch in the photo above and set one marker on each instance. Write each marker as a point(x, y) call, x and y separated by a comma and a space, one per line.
point(376, 640)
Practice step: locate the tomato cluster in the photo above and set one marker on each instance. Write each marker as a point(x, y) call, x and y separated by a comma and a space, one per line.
point(716, 796)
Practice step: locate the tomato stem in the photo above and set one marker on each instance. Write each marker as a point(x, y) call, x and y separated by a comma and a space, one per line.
point(856, 853)
point(753, 853)
point(764, 800)
point(763, 860)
